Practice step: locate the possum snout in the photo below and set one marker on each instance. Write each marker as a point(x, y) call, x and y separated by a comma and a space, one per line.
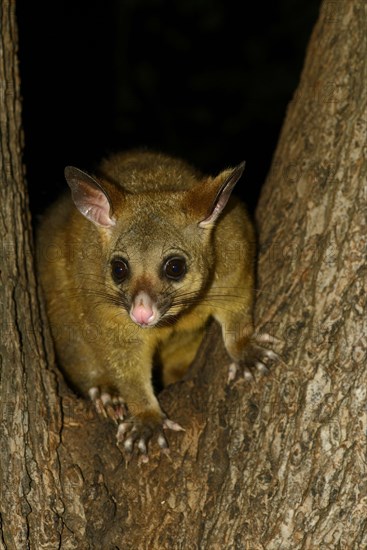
point(144, 311)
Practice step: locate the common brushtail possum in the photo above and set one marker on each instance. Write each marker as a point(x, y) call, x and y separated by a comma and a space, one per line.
point(133, 265)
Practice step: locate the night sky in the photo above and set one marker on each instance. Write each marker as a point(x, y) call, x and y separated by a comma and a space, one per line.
point(200, 79)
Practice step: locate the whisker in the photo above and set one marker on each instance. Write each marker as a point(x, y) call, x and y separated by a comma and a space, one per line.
point(115, 299)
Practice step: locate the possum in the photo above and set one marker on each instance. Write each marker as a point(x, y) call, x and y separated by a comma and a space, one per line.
point(133, 265)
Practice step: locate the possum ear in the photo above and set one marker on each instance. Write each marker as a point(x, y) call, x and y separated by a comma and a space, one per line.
point(222, 187)
point(89, 197)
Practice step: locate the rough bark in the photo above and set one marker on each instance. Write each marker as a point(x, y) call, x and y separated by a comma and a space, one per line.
point(279, 464)
point(31, 494)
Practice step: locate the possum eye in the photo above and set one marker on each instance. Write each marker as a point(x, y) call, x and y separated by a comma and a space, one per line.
point(174, 268)
point(119, 270)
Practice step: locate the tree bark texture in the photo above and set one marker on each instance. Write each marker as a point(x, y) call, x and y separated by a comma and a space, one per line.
point(276, 464)
point(30, 490)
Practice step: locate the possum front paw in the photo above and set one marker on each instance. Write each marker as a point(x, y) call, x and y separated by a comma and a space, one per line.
point(137, 431)
point(134, 431)
point(107, 404)
point(255, 356)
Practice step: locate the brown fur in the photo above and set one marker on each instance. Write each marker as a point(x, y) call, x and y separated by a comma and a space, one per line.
point(157, 203)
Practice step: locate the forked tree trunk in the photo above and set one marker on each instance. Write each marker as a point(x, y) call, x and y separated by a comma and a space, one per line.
point(276, 464)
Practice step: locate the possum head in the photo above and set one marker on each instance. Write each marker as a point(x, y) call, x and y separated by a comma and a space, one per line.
point(158, 254)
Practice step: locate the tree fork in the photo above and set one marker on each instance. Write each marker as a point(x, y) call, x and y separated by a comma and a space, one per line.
point(280, 463)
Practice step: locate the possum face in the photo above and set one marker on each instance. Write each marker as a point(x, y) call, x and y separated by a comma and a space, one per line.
point(160, 263)
point(157, 245)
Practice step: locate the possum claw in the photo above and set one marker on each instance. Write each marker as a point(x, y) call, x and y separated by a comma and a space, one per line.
point(107, 405)
point(162, 442)
point(248, 374)
point(263, 369)
point(266, 338)
point(232, 371)
point(142, 446)
point(167, 423)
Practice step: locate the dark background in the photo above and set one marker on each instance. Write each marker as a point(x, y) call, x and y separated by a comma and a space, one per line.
point(207, 80)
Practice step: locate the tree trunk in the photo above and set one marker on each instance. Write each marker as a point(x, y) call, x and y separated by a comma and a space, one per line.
point(279, 464)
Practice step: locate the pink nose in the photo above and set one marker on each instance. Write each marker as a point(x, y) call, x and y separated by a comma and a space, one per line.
point(142, 314)
point(143, 311)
